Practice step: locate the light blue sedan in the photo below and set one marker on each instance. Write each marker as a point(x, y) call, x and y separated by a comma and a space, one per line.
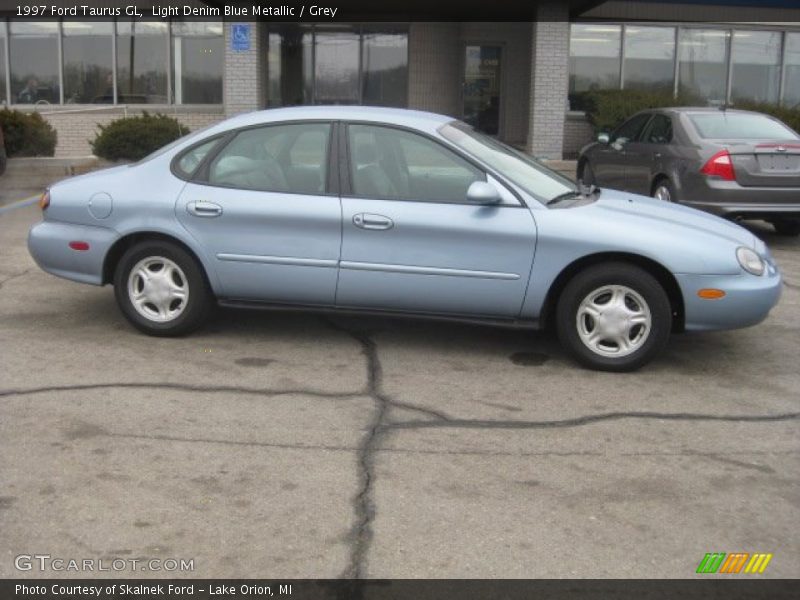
point(398, 212)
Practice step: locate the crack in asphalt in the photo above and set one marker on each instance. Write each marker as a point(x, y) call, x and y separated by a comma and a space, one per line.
point(12, 277)
point(587, 420)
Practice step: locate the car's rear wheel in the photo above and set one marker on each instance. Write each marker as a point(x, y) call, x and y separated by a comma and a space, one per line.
point(664, 190)
point(787, 227)
point(614, 317)
point(161, 289)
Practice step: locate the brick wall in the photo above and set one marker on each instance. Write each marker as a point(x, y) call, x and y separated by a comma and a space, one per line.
point(549, 80)
point(244, 80)
point(75, 129)
point(577, 133)
point(433, 67)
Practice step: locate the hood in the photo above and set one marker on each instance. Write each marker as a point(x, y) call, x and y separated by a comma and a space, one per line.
point(673, 218)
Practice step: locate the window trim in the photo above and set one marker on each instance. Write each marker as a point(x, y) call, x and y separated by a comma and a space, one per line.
point(200, 176)
point(649, 126)
point(345, 170)
point(173, 165)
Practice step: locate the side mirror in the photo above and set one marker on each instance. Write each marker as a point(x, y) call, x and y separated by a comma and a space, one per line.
point(603, 137)
point(482, 192)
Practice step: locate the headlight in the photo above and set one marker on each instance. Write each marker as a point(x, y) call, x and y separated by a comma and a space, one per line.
point(750, 260)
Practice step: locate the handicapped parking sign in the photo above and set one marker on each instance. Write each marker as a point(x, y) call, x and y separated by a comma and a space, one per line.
point(240, 37)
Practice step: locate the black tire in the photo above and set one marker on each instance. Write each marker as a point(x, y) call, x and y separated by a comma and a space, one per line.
point(197, 306)
point(665, 183)
point(642, 284)
point(586, 175)
point(789, 227)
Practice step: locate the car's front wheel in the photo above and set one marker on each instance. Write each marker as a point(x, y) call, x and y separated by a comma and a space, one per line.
point(614, 317)
point(161, 289)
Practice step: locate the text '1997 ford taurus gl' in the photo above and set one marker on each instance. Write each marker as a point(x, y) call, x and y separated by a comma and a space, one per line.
point(398, 212)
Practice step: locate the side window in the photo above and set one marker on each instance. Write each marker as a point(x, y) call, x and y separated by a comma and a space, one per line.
point(187, 164)
point(275, 158)
point(394, 164)
point(659, 131)
point(629, 131)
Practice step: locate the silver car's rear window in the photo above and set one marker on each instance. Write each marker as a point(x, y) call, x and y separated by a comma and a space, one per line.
point(739, 126)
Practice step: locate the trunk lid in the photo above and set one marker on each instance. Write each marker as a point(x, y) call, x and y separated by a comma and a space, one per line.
point(766, 163)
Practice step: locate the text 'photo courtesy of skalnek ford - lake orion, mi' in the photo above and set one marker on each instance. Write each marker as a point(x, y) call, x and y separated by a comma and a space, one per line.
point(400, 300)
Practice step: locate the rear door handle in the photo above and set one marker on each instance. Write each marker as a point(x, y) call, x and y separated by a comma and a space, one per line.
point(369, 221)
point(202, 208)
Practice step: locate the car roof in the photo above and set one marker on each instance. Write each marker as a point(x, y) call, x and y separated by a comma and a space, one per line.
point(398, 116)
point(702, 109)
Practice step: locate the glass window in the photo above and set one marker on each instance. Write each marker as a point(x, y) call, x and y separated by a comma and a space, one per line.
point(198, 54)
point(88, 62)
point(279, 158)
point(395, 164)
point(34, 62)
point(142, 62)
point(385, 69)
point(188, 163)
point(629, 131)
point(336, 68)
point(649, 58)
point(703, 70)
point(530, 175)
point(756, 70)
point(3, 92)
point(739, 126)
point(594, 55)
point(659, 131)
point(289, 62)
point(791, 81)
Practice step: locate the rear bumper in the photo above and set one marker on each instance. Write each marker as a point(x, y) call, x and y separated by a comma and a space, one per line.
point(731, 200)
point(748, 299)
point(48, 244)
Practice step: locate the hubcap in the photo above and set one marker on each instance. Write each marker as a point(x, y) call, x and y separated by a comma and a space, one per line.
point(613, 321)
point(662, 193)
point(158, 289)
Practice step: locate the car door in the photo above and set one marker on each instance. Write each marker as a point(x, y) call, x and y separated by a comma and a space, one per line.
point(411, 242)
point(646, 153)
point(610, 163)
point(265, 210)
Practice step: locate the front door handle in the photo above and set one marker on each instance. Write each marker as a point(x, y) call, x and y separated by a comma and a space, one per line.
point(202, 208)
point(368, 221)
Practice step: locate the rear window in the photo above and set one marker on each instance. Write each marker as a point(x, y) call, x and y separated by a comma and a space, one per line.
point(740, 126)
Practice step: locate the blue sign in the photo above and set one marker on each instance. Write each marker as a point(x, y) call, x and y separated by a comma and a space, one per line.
point(240, 37)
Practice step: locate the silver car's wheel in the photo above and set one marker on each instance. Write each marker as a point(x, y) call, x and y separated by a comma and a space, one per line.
point(158, 289)
point(662, 193)
point(613, 321)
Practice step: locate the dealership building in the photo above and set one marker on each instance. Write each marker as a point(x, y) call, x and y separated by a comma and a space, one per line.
point(515, 80)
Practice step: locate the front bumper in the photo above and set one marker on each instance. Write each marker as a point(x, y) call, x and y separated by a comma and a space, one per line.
point(747, 301)
point(48, 244)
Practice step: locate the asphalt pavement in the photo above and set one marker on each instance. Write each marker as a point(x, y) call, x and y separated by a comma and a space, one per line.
point(296, 445)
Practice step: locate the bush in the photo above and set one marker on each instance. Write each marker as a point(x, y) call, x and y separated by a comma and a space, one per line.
point(27, 134)
point(607, 109)
point(133, 138)
point(790, 116)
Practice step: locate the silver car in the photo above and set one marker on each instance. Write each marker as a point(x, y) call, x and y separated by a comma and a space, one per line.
point(397, 212)
point(733, 163)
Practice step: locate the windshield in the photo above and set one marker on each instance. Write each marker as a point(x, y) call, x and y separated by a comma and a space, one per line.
point(542, 183)
point(740, 126)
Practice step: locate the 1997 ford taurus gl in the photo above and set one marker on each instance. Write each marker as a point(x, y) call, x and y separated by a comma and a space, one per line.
point(396, 211)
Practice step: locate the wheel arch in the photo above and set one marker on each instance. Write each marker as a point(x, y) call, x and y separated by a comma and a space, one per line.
point(128, 240)
point(657, 270)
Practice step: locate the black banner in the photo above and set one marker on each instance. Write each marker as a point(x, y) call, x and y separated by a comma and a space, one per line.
point(738, 588)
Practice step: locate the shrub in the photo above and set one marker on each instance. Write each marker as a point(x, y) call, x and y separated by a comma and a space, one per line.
point(27, 134)
point(133, 138)
point(790, 116)
point(607, 109)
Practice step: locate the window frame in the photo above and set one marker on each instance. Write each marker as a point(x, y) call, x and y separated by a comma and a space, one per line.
point(649, 126)
point(200, 175)
point(346, 175)
point(645, 124)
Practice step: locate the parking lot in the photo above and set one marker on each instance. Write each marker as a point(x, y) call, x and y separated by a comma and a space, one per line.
point(298, 445)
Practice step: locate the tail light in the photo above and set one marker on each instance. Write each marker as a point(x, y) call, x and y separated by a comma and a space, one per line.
point(44, 201)
point(720, 165)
